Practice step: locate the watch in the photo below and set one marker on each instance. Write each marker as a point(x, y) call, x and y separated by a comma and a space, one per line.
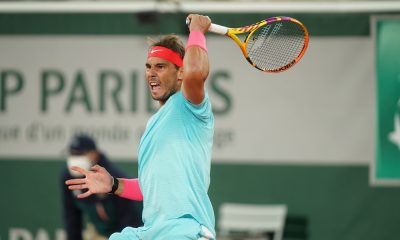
point(115, 185)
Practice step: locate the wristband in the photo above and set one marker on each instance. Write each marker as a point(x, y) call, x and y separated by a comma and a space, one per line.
point(132, 189)
point(197, 38)
point(115, 185)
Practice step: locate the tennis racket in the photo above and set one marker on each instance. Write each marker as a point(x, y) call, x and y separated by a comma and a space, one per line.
point(271, 45)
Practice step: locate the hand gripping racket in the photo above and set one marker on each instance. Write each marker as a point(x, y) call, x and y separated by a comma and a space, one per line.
point(271, 45)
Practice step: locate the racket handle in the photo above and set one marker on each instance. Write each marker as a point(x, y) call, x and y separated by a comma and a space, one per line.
point(214, 28)
point(218, 29)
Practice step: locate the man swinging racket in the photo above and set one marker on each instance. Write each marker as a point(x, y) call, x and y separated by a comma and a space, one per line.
point(174, 155)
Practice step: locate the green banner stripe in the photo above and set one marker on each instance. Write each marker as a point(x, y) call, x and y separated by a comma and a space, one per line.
point(326, 24)
point(388, 96)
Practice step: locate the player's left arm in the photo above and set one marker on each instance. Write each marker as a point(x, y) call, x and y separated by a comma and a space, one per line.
point(195, 62)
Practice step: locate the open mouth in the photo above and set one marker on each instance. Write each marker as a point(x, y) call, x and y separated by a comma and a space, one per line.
point(155, 86)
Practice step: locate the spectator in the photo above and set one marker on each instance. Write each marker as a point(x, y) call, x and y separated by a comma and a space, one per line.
point(104, 213)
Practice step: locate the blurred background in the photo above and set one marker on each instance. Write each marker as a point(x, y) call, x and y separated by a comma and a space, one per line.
point(321, 139)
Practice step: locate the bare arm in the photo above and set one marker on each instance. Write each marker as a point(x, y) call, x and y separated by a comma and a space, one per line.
point(195, 62)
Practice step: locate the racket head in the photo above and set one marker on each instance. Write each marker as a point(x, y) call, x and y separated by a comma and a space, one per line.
point(274, 44)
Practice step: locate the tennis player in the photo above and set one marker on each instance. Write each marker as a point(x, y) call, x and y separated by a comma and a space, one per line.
point(174, 155)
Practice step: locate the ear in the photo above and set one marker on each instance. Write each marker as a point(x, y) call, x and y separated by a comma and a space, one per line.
point(180, 74)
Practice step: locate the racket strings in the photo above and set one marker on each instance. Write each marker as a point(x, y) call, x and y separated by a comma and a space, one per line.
point(277, 42)
point(276, 45)
point(282, 49)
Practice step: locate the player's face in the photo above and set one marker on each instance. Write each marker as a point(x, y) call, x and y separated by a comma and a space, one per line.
point(162, 78)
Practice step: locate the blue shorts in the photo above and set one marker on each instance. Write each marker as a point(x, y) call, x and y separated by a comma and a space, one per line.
point(174, 229)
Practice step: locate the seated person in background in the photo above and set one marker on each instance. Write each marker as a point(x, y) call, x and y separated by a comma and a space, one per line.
point(105, 213)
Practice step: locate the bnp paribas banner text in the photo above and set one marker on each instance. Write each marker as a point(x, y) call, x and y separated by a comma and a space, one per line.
point(320, 111)
point(386, 167)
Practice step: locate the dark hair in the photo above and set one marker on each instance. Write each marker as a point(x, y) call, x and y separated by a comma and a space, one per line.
point(170, 41)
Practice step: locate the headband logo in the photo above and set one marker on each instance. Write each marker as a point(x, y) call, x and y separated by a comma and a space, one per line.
point(166, 54)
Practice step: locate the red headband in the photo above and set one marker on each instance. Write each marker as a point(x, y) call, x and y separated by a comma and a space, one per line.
point(167, 54)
